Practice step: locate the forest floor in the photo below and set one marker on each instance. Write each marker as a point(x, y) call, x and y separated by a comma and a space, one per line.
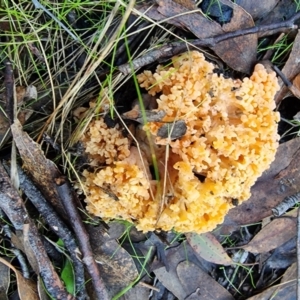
point(71, 83)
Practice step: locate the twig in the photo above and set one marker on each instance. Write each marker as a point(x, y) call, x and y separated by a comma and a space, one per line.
point(255, 29)
point(287, 203)
point(175, 48)
point(294, 90)
point(67, 199)
point(282, 76)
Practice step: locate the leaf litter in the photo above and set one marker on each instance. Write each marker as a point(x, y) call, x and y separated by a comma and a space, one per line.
point(165, 264)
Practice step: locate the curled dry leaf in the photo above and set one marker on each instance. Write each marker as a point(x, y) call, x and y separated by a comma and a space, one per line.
point(26, 288)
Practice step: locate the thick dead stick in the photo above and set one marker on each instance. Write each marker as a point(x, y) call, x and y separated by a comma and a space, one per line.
point(67, 199)
point(58, 226)
point(175, 48)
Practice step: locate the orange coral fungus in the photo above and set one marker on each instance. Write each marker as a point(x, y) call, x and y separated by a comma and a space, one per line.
point(119, 191)
point(104, 144)
point(229, 139)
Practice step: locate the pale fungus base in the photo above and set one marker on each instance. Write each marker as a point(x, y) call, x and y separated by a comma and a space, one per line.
point(231, 138)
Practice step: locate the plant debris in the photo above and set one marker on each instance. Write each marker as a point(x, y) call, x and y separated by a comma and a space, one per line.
point(109, 108)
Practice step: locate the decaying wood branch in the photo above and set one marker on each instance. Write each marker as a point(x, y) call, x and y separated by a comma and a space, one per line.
point(12, 204)
point(176, 48)
point(67, 198)
point(59, 227)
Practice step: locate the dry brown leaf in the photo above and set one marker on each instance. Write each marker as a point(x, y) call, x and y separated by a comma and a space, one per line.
point(295, 91)
point(42, 170)
point(195, 22)
point(117, 267)
point(192, 277)
point(138, 292)
point(271, 188)
point(151, 12)
point(273, 235)
point(25, 94)
point(20, 93)
point(169, 278)
point(290, 273)
point(239, 53)
point(26, 288)
point(147, 115)
point(284, 10)
point(257, 8)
